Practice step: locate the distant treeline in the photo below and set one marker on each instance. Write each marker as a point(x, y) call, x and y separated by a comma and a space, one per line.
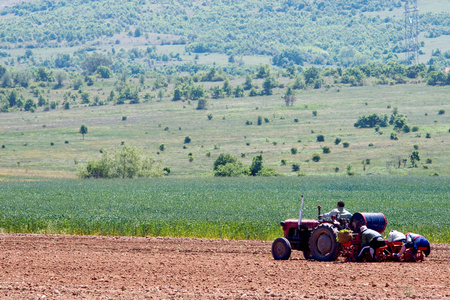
point(343, 33)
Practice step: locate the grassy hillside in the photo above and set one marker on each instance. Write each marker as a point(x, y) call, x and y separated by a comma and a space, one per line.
point(26, 138)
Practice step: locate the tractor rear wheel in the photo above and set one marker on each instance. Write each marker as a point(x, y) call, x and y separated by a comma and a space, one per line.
point(323, 244)
point(281, 249)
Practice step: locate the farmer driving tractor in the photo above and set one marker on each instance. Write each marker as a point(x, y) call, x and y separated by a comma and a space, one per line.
point(340, 212)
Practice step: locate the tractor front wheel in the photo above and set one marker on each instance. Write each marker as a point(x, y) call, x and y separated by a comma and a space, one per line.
point(323, 244)
point(281, 249)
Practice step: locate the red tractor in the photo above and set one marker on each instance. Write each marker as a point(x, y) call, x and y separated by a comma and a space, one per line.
point(318, 239)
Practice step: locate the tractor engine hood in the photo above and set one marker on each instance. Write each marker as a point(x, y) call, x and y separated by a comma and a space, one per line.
point(308, 223)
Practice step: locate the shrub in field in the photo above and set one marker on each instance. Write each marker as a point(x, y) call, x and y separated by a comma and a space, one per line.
point(416, 147)
point(231, 169)
point(394, 136)
point(326, 149)
point(372, 121)
point(294, 150)
point(223, 159)
point(414, 158)
point(428, 135)
point(259, 120)
point(441, 112)
point(257, 165)
point(337, 141)
point(320, 138)
point(346, 144)
point(187, 140)
point(126, 162)
point(295, 167)
point(83, 130)
point(316, 157)
point(283, 161)
point(415, 128)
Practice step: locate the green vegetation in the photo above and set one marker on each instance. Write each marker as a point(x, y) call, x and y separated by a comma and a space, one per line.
point(126, 162)
point(236, 208)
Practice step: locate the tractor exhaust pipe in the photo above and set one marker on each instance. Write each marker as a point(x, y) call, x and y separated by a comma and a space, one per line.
point(300, 214)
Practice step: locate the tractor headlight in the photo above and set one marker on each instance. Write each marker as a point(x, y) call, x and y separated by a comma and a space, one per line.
point(283, 225)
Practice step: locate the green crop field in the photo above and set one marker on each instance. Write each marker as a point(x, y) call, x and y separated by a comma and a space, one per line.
point(232, 208)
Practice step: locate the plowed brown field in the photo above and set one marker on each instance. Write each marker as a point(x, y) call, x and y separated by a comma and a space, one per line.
point(88, 267)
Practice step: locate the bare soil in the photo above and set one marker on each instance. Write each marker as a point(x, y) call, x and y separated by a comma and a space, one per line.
point(88, 267)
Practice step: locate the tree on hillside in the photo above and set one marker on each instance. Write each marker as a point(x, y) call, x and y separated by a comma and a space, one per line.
point(268, 85)
point(44, 74)
point(257, 165)
point(311, 75)
point(91, 63)
point(414, 158)
point(83, 130)
point(6, 80)
point(289, 97)
point(60, 76)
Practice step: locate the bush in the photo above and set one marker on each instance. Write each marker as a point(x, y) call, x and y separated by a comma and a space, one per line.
point(316, 157)
point(346, 144)
point(232, 169)
point(416, 147)
point(337, 141)
point(126, 162)
point(257, 165)
point(394, 136)
point(320, 138)
point(415, 128)
point(187, 140)
point(326, 149)
point(294, 150)
point(428, 136)
point(283, 161)
point(372, 121)
point(441, 112)
point(295, 167)
point(259, 120)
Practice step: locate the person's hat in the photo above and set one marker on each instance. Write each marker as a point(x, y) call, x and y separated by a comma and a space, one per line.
point(363, 228)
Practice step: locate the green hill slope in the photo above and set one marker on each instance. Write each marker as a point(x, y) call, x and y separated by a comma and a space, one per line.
point(340, 32)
